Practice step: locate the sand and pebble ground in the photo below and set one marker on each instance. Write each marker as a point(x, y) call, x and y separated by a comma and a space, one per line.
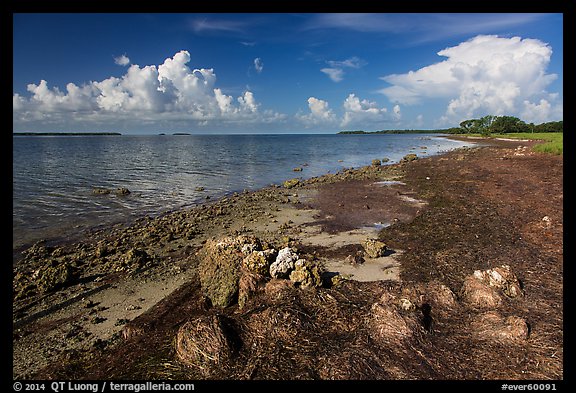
point(469, 284)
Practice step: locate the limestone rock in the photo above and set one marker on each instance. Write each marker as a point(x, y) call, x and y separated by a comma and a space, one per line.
point(122, 191)
point(53, 276)
point(355, 259)
point(100, 191)
point(284, 263)
point(219, 271)
point(374, 248)
point(409, 157)
point(291, 183)
point(306, 274)
point(259, 261)
point(133, 260)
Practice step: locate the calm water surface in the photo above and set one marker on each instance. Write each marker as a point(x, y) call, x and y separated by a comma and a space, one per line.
point(53, 177)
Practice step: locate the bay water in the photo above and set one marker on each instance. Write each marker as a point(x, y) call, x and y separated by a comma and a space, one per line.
point(54, 176)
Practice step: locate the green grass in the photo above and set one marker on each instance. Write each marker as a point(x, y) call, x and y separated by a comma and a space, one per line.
point(553, 142)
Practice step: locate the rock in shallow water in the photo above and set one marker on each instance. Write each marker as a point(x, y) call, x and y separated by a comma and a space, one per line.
point(122, 191)
point(409, 157)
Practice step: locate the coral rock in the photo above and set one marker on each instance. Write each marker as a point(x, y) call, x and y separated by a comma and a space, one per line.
point(374, 248)
point(284, 263)
point(307, 274)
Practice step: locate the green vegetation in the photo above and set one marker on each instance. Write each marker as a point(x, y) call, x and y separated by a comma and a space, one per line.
point(485, 126)
point(488, 125)
point(553, 141)
point(500, 127)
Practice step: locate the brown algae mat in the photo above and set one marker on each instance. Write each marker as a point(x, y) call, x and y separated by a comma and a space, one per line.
point(469, 284)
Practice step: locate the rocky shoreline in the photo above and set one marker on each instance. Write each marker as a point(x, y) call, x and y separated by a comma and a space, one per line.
point(344, 276)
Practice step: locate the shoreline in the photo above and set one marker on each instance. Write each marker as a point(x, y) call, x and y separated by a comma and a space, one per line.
point(312, 213)
point(70, 230)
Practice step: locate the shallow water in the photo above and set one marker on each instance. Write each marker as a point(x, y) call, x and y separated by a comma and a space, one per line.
point(54, 177)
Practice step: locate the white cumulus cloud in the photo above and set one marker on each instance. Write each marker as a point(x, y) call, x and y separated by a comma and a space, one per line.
point(487, 74)
point(169, 91)
point(320, 113)
point(541, 112)
point(362, 113)
point(356, 112)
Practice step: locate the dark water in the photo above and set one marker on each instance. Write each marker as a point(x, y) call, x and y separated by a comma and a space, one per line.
point(53, 177)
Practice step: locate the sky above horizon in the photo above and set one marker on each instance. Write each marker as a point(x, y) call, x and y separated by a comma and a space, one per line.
point(282, 73)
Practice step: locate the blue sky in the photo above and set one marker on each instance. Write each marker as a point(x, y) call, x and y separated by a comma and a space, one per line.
point(282, 73)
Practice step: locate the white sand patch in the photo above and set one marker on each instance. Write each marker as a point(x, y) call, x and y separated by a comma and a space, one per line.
point(373, 269)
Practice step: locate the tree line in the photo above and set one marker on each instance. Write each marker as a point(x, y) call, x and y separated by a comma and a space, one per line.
point(485, 125)
point(504, 124)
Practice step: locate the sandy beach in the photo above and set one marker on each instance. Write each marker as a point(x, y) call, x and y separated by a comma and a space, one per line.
point(469, 284)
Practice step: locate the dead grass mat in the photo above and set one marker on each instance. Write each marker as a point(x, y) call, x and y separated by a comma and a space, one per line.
point(357, 331)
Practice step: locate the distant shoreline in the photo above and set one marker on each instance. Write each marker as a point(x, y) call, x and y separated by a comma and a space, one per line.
point(64, 133)
point(360, 132)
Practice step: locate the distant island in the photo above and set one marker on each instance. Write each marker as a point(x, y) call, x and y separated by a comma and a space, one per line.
point(64, 133)
point(181, 133)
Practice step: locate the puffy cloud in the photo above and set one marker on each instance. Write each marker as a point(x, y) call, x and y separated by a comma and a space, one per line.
point(484, 75)
point(248, 103)
point(258, 65)
point(320, 113)
point(541, 112)
point(53, 100)
point(151, 93)
point(359, 113)
point(336, 69)
point(320, 109)
point(122, 60)
point(224, 101)
point(362, 112)
point(18, 102)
